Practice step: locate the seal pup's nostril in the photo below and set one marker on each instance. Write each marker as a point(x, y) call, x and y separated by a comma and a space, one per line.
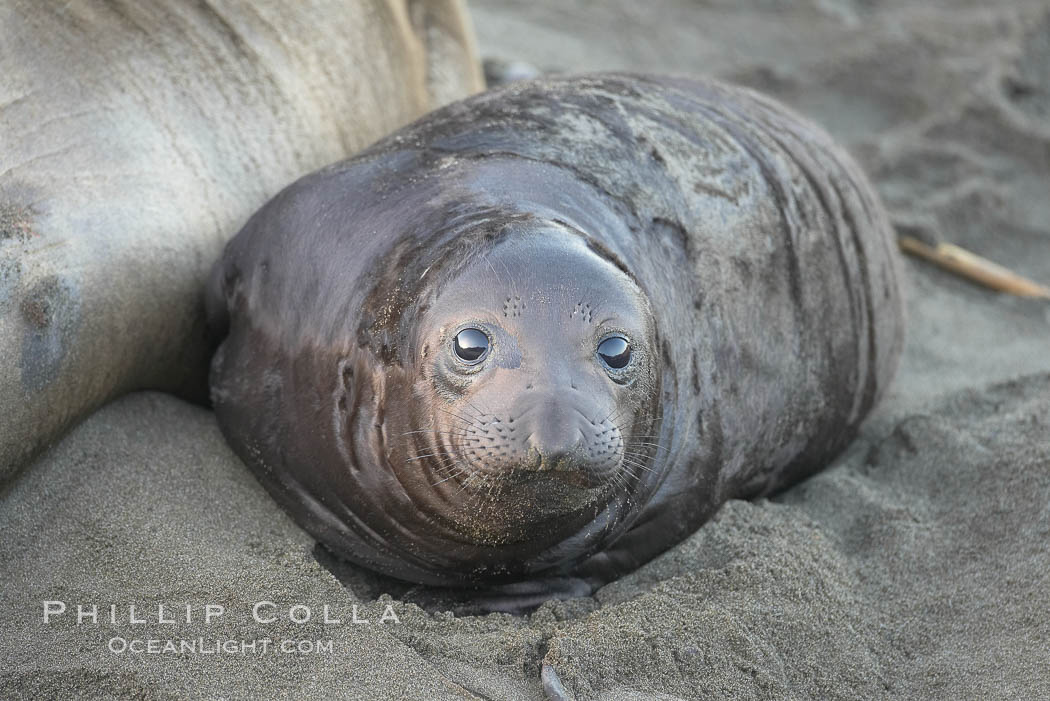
point(556, 443)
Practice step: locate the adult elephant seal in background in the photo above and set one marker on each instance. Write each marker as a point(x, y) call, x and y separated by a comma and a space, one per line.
point(539, 336)
point(135, 137)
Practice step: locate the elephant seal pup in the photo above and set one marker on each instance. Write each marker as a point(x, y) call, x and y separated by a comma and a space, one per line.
point(534, 339)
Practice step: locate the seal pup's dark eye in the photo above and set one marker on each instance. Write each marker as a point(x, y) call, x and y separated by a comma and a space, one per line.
point(471, 345)
point(615, 352)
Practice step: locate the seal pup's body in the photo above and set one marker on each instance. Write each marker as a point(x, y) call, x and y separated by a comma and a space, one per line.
point(539, 336)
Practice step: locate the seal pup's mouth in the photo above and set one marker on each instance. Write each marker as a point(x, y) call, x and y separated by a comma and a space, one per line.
point(533, 474)
point(566, 469)
point(569, 478)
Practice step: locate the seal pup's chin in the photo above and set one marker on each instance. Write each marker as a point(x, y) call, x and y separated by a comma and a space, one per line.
point(570, 486)
point(556, 479)
point(559, 470)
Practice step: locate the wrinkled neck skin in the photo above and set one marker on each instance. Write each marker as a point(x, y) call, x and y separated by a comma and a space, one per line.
point(539, 453)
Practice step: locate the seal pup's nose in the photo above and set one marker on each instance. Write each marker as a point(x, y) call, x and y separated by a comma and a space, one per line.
point(554, 440)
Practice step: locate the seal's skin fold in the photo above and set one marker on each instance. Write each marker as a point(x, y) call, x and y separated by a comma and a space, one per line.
point(136, 136)
point(767, 261)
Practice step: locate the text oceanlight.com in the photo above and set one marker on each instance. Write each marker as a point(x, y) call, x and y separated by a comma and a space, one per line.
point(206, 646)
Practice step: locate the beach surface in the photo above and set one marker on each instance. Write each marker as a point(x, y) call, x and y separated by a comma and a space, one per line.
point(916, 567)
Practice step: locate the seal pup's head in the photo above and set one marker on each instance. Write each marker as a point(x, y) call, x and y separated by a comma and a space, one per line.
point(534, 388)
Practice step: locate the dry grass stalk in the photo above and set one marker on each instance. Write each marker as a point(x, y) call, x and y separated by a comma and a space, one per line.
point(974, 268)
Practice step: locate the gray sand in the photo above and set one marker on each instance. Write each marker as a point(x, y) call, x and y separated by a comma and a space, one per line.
point(917, 567)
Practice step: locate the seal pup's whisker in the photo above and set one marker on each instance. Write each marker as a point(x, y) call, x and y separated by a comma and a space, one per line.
point(480, 413)
point(434, 431)
point(453, 476)
point(450, 476)
point(635, 463)
point(513, 280)
point(429, 455)
point(492, 484)
point(446, 465)
point(620, 481)
point(466, 420)
point(654, 445)
point(467, 482)
point(645, 462)
point(631, 466)
point(449, 472)
point(635, 468)
point(494, 273)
